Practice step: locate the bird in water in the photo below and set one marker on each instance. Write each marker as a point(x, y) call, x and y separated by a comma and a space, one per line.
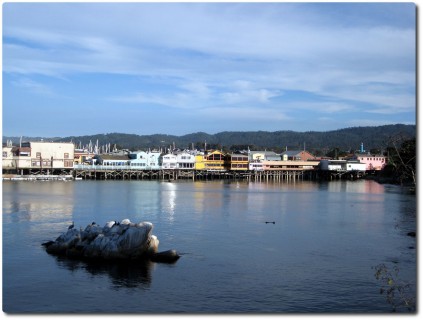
point(271, 222)
point(71, 226)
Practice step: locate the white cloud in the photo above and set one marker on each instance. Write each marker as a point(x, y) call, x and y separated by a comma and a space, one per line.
point(33, 86)
point(243, 114)
point(228, 55)
point(323, 107)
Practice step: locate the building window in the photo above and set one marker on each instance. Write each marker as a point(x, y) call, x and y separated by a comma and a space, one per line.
point(4, 154)
point(68, 163)
point(35, 163)
point(66, 156)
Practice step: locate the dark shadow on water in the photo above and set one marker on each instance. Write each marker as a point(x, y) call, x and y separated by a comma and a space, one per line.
point(122, 274)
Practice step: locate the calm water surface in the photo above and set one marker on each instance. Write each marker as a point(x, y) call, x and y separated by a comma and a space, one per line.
point(317, 257)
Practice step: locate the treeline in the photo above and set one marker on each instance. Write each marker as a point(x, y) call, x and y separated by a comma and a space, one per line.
point(402, 158)
point(318, 143)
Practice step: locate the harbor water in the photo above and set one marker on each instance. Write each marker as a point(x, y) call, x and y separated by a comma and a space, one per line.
point(317, 252)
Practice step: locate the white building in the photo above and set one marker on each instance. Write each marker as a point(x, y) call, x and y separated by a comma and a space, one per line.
point(169, 161)
point(185, 160)
point(39, 156)
point(342, 165)
point(145, 160)
point(255, 166)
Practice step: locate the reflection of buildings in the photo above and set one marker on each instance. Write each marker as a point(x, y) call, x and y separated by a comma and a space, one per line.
point(207, 196)
point(34, 205)
point(168, 199)
point(364, 186)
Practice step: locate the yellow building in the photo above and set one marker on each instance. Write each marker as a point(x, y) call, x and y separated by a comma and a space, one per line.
point(199, 162)
point(82, 156)
point(214, 160)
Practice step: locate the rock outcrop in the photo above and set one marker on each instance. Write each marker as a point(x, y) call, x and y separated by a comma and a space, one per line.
point(124, 240)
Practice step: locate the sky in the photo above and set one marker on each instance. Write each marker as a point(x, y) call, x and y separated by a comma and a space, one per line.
point(72, 69)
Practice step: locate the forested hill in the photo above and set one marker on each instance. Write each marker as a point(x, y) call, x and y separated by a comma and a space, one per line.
point(344, 139)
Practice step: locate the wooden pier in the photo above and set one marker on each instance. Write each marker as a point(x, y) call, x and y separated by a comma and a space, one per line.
point(128, 173)
point(183, 174)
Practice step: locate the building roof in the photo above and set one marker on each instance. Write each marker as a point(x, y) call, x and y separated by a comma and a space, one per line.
point(269, 153)
point(111, 157)
point(292, 153)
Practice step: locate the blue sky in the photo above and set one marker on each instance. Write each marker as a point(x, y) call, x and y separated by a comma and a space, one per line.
point(179, 68)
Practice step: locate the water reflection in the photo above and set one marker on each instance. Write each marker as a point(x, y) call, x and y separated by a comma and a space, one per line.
point(23, 202)
point(169, 199)
point(122, 274)
point(362, 186)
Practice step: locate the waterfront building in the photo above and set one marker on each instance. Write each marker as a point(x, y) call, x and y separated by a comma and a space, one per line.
point(255, 166)
point(150, 160)
point(82, 156)
point(236, 162)
point(138, 160)
point(169, 161)
point(185, 160)
point(342, 165)
point(214, 160)
point(199, 162)
point(297, 155)
point(9, 158)
point(263, 155)
point(372, 162)
point(269, 165)
point(39, 156)
point(111, 160)
point(154, 160)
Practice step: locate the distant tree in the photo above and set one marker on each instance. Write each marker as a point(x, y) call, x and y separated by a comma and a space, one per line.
point(402, 158)
point(336, 153)
point(375, 151)
point(239, 147)
point(317, 152)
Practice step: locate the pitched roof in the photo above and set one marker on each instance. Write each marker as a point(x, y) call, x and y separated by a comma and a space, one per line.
point(112, 157)
point(292, 153)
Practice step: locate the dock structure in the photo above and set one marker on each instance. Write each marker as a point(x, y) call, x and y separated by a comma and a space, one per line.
point(128, 173)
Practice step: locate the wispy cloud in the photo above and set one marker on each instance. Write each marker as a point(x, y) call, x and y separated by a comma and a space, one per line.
point(33, 86)
point(349, 57)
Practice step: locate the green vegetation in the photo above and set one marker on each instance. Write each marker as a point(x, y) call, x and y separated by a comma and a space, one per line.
point(318, 143)
point(399, 294)
point(401, 167)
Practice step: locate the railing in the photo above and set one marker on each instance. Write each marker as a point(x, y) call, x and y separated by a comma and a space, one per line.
point(110, 167)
